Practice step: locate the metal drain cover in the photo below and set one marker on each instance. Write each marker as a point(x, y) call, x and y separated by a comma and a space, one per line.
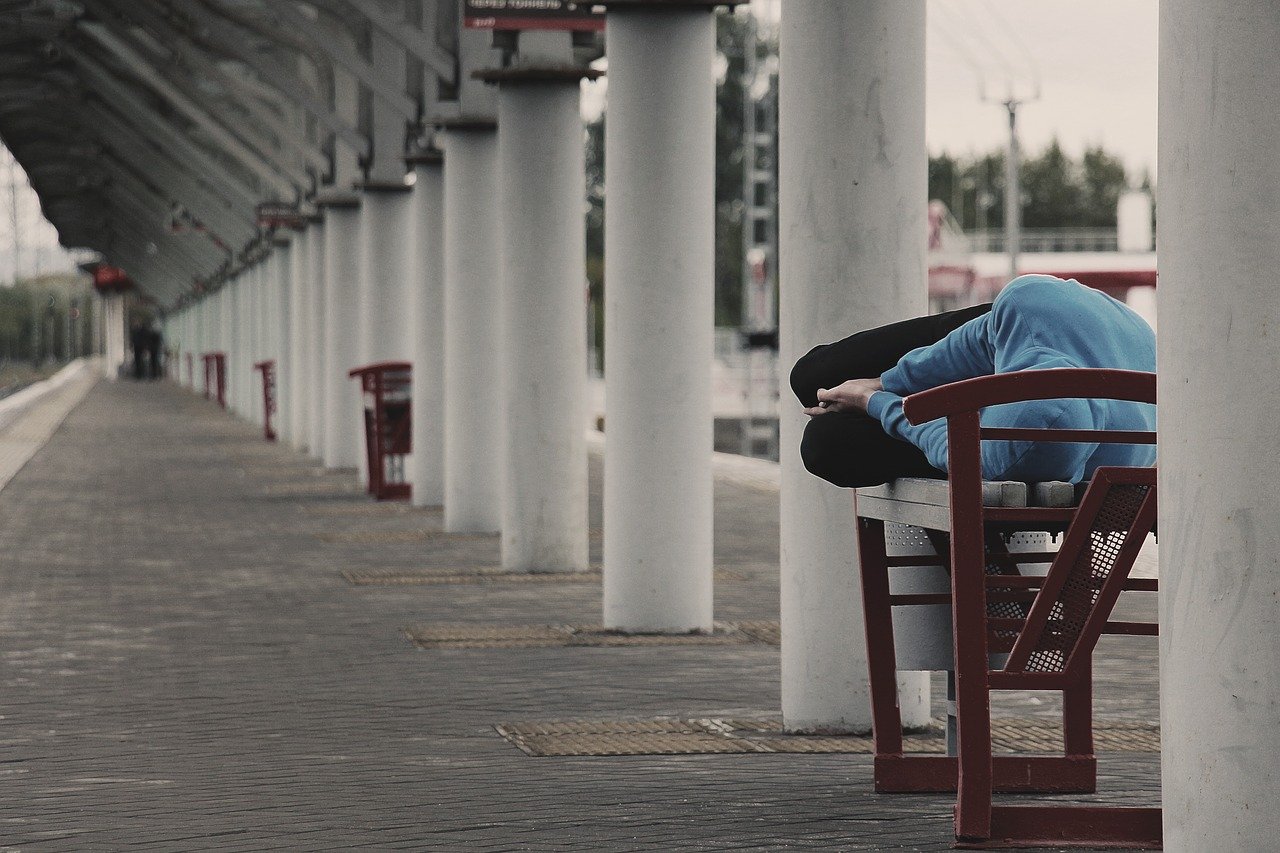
point(669, 736)
point(310, 488)
point(466, 636)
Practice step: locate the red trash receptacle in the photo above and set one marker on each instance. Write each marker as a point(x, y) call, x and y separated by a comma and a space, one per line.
point(387, 426)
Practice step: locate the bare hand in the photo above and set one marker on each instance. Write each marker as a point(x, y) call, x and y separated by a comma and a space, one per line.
point(850, 396)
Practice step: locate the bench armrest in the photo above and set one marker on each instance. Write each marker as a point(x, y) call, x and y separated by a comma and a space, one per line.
point(969, 395)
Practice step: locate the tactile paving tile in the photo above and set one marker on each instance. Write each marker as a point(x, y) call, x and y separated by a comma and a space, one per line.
point(467, 636)
point(479, 574)
point(370, 508)
point(311, 488)
point(391, 537)
point(669, 736)
point(378, 537)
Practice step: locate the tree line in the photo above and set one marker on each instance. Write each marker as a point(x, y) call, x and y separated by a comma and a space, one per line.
point(1057, 191)
point(45, 319)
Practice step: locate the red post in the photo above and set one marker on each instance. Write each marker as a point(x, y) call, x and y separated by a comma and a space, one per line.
point(268, 371)
point(215, 377)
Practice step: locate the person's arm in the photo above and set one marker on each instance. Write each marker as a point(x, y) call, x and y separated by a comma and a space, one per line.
point(964, 353)
point(1004, 460)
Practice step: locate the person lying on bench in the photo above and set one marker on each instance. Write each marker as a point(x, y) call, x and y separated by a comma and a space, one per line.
point(853, 389)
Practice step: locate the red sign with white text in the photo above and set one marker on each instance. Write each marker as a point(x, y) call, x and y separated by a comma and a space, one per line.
point(533, 15)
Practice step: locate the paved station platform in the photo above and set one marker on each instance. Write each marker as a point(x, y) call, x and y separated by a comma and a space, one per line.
point(207, 644)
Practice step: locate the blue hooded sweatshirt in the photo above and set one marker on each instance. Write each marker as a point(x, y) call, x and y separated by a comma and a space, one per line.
point(1037, 322)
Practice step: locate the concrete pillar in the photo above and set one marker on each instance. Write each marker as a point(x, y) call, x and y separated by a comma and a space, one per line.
point(543, 328)
point(852, 211)
point(383, 318)
point(659, 317)
point(473, 407)
point(236, 336)
point(227, 334)
point(344, 434)
point(280, 349)
point(198, 312)
point(1219, 311)
point(315, 333)
point(382, 315)
point(298, 342)
point(113, 333)
point(260, 302)
point(426, 298)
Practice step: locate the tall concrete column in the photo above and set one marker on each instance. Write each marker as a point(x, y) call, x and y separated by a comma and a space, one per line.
point(382, 317)
point(659, 317)
point(227, 334)
point(200, 343)
point(236, 337)
point(343, 422)
point(473, 410)
point(260, 304)
point(113, 333)
point(280, 347)
point(852, 212)
point(298, 343)
point(1219, 311)
point(425, 246)
point(543, 328)
point(315, 333)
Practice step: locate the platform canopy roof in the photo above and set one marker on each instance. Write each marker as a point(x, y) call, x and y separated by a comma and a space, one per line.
point(155, 131)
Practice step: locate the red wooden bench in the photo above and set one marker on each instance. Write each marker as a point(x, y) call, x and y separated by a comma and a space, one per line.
point(1012, 630)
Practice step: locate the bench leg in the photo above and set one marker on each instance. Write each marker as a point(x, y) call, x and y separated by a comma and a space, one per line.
point(973, 697)
point(881, 660)
point(1077, 714)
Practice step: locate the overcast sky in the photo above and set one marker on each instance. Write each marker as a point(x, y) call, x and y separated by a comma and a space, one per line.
point(1096, 63)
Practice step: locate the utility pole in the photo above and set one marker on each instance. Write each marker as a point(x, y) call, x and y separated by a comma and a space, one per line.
point(760, 238)
point(1012, 191)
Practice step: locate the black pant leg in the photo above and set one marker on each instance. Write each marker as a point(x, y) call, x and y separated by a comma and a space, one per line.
point(851, 449)
point(869, 353)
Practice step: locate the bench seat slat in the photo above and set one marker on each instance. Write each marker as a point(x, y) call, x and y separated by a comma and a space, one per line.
point(926, 502)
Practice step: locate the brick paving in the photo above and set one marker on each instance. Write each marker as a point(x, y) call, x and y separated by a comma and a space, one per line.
point(185, 668)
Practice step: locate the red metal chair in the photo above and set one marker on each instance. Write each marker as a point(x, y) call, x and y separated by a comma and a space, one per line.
point(268, 370)
point(1045, 642)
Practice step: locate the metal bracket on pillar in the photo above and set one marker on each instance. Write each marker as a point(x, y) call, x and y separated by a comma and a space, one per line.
point(537, 74)
point(425, 157)
point(334, 197)
point(383, 187)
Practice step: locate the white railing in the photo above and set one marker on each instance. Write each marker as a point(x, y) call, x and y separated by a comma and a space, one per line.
point(1047, 240)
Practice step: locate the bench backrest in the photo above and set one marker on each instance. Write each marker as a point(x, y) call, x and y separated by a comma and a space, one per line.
point(1106, 531)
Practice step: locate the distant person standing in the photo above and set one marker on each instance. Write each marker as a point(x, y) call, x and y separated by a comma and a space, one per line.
point(155, 347)
point(139, 340)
